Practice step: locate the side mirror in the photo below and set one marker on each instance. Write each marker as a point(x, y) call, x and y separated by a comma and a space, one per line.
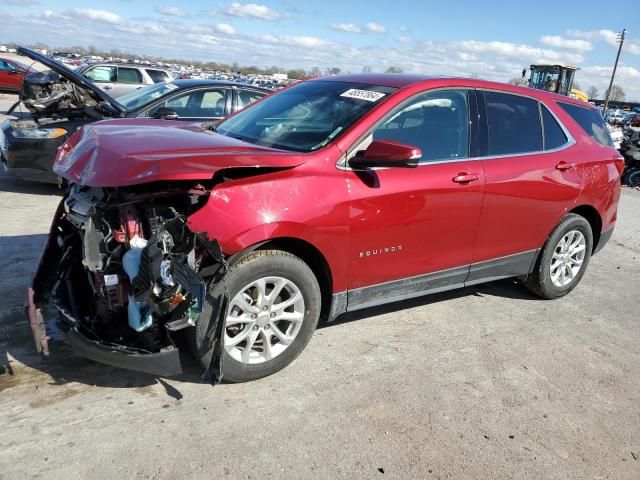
point(166, 114)
point(387, 153)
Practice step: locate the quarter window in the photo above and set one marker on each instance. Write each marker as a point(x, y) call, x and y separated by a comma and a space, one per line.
point(101, 74)
point(513, 123)
point(158, 76)
point(554, 137)
point(591, 121)
point(436, 122)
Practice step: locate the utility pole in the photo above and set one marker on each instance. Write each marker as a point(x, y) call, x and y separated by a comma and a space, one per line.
point(620, 40)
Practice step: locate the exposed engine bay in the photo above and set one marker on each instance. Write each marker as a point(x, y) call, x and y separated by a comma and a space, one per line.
point(48, 94)
point(124, 271)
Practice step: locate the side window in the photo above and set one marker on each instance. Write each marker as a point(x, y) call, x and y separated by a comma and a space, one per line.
point(513, 123)
point(129, 75)
point(198, 104)
point(436, 122)
point(158, 76)
point(3, 66)
point(554, 137)
point(247, 97)
point(101, 74)
point(591, 121)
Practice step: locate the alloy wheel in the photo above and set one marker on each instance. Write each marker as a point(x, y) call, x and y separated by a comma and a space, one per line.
point(568, 257)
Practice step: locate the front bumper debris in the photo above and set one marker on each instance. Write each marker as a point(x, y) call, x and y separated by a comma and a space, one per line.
point(165, 363)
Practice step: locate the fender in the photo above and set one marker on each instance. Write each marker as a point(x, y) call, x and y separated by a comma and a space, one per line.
point(291, 203)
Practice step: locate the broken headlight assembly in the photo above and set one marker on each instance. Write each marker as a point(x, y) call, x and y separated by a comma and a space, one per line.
point(124, 271)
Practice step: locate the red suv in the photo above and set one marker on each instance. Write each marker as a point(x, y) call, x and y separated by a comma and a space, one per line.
point(12, 74)
point(333, 195)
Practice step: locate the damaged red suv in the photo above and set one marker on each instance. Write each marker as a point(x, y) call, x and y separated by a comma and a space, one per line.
point(333, 195)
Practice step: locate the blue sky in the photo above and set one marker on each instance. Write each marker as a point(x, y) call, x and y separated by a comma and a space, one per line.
point(468, 38)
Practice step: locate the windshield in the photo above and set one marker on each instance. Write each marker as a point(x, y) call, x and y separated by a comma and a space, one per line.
point(306, 116)
point(552, 79)
point(144, 96)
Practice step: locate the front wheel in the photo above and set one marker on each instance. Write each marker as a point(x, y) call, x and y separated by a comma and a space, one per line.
point(563, 259)
point(274, 307)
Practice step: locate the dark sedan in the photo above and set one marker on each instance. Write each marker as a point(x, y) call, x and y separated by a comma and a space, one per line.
point(60, 101)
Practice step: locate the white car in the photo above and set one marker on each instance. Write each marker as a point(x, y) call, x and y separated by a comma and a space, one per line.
point(118, 79)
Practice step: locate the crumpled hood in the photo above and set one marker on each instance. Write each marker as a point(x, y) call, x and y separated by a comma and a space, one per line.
point(116, 153)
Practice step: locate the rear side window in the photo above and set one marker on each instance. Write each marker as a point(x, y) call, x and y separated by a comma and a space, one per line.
point(158, 76)
point(554, 137)
point(513, 123)
point(129, 75)
point(591, 121)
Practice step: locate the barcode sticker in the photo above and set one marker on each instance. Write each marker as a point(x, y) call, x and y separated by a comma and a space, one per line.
point(367, 95)
point(110, 280)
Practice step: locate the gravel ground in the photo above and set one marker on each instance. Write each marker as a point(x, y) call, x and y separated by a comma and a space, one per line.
point(485, 382)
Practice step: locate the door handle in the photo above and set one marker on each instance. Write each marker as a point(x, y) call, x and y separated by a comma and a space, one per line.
point(464, 177)
point(562, 166)
point(107, 87)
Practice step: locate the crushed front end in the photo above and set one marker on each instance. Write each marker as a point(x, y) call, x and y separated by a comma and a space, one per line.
point(123, 272)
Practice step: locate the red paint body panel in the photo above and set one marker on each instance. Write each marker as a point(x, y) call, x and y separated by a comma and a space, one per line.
point(116, 153)
point(438, 223)
point(12, 80)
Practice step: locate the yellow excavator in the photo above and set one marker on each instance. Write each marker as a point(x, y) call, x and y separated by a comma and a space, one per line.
point(556, 79)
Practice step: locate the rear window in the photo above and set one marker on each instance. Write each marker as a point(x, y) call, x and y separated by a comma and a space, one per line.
point(554, 137)
point(591, 121)
point(513, 123)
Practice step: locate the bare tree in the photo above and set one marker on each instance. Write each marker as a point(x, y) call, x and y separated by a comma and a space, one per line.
point(315, 72)
point(393, 69)
point(617, 94)
point(366, 69)
point(592, 92)
point(332, 71)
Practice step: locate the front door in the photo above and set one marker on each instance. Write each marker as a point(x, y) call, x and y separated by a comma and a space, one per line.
point(413, 229)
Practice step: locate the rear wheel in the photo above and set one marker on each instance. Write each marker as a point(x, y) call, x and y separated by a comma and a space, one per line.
point(563, 259)
point(274, 306)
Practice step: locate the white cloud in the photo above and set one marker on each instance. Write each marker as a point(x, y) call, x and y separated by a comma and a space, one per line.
point(225, 28)
point(560, 42)
point(97, 15)
point(404, 39)
point(607, 36)
point(22, 3)
point(253, 10)
point(515, 51)
point(296, 41)
point(346, 27)
point(171, 11)
point(376, 27)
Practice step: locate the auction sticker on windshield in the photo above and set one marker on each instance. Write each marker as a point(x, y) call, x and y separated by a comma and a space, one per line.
point(367, 95)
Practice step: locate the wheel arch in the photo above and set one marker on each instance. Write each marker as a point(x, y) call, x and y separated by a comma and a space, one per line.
point(589, 213)
point(311, 255)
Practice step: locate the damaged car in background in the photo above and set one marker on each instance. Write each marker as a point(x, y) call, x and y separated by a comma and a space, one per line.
point(333, 195)
point(60, 100)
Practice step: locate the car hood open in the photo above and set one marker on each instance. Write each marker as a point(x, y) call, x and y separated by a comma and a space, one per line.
point(114, 153)
point(92, 90)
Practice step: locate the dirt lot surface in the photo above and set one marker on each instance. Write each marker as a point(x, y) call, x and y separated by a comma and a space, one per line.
point(482, 383)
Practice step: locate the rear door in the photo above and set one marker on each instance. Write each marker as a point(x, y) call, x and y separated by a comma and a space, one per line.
point(128, 79)
point(531, 179)
point(413, 229)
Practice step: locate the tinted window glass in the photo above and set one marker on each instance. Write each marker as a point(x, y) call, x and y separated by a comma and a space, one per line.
point(3, 65)
point(158, 76)
point(514, 124)
point(245, 97)
point(101, 74)
point(554, 137)
point(129, 75)
point(591, 122)
point(436, 122)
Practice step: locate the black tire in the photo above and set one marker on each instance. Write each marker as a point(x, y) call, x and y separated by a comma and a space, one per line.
point(539, 281)
point(254, 266)
point(633, 178)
